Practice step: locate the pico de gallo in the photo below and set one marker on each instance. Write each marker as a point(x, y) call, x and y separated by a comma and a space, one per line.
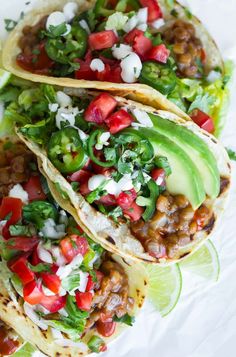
point(67, 282)
point(125, 42)
point(106, 153)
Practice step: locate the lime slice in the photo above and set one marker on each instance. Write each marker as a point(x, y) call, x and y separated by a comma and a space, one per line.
point(165, 284)
point(26, 350)
point(204, 262)
point(4, 78)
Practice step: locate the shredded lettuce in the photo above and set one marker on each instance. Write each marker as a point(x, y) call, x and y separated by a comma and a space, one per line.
point(116, 21)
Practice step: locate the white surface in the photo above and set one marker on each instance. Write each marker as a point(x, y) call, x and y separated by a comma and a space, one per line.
point(204, 322)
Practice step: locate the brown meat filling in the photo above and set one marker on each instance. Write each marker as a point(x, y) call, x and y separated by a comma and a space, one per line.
point(187, 48)
point(173, 225)
point(14, 166)
point(30, 36)
point(112, 296)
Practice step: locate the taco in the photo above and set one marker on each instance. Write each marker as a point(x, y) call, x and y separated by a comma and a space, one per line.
point(59, 290)
point(149, 51)
point(144, 183)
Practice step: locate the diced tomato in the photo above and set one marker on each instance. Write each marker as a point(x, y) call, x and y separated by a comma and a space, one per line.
point(203, 120)
point(32, 293)
point(92, 284)
point(34, 189)
point(134, 212)
point(24, 244)
point(53, 303)
point(158, 53)
point(34, 258)
point(154, 10)
point(80, 176)
point(100, 108)
point(52, 282)
point(102, 40)
point(125, 199)
point(84, 300)
point(111, 73)
point(118, 121)
point(85, 72)
point(140, 43)
point(19, 266)
point(73, 245)
point(12, 206)
point(40, 63)
point(107, 200)
point(158, 176)
point(106, 329)
point(97, 169)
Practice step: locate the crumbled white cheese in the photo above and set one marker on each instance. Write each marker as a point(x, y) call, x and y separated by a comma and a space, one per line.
point(95, 181)
point(63, 99)
point(53, 107)
point(56, 18)
point(142, 117)
point(121, 51)
point(70, 10)
point(131, 68)
point(158, 23)
point(66, 115)
point(137, 20)
point(103, 140)
point(213, 76)
point(17, 191)
point(52, 230)
point(97, 65)
point(85, 26)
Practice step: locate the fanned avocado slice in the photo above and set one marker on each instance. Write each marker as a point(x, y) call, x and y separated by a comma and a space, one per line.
point(196, 148)
point(185, 178)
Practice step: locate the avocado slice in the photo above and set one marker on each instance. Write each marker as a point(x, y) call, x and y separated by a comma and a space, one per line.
point(196, 148)
point(185, 178)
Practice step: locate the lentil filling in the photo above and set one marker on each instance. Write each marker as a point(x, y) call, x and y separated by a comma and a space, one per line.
point(187, 48)
point(173, 225)
point(14, 165)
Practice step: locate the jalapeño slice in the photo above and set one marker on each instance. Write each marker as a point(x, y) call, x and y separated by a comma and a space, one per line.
point(66, 152)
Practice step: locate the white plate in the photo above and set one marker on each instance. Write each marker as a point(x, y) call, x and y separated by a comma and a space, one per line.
point(204, 322)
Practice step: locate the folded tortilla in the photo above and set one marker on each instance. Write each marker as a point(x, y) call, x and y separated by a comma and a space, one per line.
point(118, 238)
point(11, 304)
point(135, 91)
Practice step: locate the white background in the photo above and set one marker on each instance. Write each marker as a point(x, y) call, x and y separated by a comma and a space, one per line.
point(203, 324)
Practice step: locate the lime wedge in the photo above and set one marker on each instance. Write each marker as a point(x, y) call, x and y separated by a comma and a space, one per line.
point(4, 78)
point(165, 284)
point(204, 262)
point(26, 350)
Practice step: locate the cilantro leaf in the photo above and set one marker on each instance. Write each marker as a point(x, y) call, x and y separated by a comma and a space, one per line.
point(232, 154)
point(39, 268)
point(126, 319)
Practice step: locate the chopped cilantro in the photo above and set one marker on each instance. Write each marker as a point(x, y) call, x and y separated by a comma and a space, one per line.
point(232, 154)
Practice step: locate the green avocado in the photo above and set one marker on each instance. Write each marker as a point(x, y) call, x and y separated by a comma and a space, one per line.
point(196, 148)
point(185, 178)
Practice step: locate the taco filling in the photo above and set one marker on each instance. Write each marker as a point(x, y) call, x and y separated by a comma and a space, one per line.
point(9, 340)
point(128, 42)
point(66, 283)
point(135, 166)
